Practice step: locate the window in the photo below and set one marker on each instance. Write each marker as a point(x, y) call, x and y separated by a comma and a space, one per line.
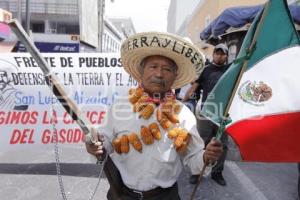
point(38, 27)
point(104, 42)
point(67, 28)
point(107, 43)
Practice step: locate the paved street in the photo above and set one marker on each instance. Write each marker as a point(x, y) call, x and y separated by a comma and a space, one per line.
point(248, 181)
point(36, 178)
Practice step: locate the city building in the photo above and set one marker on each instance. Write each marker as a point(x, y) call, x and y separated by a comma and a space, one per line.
point(190, 18)
point(124, 25)
point(231, 26)
point(66, 25)
point(199, 17)
point(111, 37)
point(178, 13)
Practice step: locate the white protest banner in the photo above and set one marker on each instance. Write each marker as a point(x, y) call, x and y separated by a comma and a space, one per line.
point(92, 80)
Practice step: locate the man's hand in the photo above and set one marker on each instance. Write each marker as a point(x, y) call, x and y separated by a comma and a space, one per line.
point(95, 148)
point(213, 151)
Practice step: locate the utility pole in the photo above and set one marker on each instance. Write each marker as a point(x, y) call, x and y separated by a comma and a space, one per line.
point(19, 11)
point(101, 10)
point(101, 5)
point(27, 20)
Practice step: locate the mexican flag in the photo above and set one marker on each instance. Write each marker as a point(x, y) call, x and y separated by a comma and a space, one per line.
point(264, 84)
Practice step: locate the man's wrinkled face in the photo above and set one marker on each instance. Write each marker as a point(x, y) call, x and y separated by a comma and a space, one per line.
point(219, 57)
point(158, 74)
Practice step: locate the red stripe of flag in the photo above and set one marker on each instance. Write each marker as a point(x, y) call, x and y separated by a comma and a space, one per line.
point(274, 138)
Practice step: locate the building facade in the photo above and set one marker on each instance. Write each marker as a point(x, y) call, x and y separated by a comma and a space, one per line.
point(66, 25)
point(178, 13)
point(112, 38)
point(124, 25)
point(204, 12)
point(116, 29)
point(208, 11)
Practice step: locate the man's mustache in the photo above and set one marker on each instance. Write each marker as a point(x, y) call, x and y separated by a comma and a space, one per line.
point(158, 81)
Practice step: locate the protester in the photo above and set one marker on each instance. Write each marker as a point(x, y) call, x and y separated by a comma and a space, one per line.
point(149, 135)
point(205, 83)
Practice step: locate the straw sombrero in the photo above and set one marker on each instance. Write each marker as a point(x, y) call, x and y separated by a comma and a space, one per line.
point(189, 59)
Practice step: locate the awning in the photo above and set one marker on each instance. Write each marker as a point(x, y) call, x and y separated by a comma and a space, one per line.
point(237, 17)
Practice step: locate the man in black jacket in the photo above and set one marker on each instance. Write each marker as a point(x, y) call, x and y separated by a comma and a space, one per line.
point(205, 83)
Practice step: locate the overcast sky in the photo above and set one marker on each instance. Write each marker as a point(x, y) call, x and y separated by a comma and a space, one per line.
point(147, 15)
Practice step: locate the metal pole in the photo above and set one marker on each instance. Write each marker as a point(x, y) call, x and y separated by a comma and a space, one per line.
point(19, 11)
point(27, 20)
point(111, 171)
point(101, 4)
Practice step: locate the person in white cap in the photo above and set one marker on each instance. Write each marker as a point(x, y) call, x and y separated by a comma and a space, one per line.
point(149, 135)
point(205, 83)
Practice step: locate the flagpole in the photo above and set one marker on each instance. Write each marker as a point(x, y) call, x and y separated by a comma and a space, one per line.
point(225, 118)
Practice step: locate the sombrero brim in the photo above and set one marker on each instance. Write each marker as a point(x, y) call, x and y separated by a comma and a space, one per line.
point(189, 59)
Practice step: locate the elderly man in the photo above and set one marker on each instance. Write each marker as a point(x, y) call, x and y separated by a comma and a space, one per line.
point(149, 135)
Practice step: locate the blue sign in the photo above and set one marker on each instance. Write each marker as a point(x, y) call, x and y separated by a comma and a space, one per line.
point(47, 47)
